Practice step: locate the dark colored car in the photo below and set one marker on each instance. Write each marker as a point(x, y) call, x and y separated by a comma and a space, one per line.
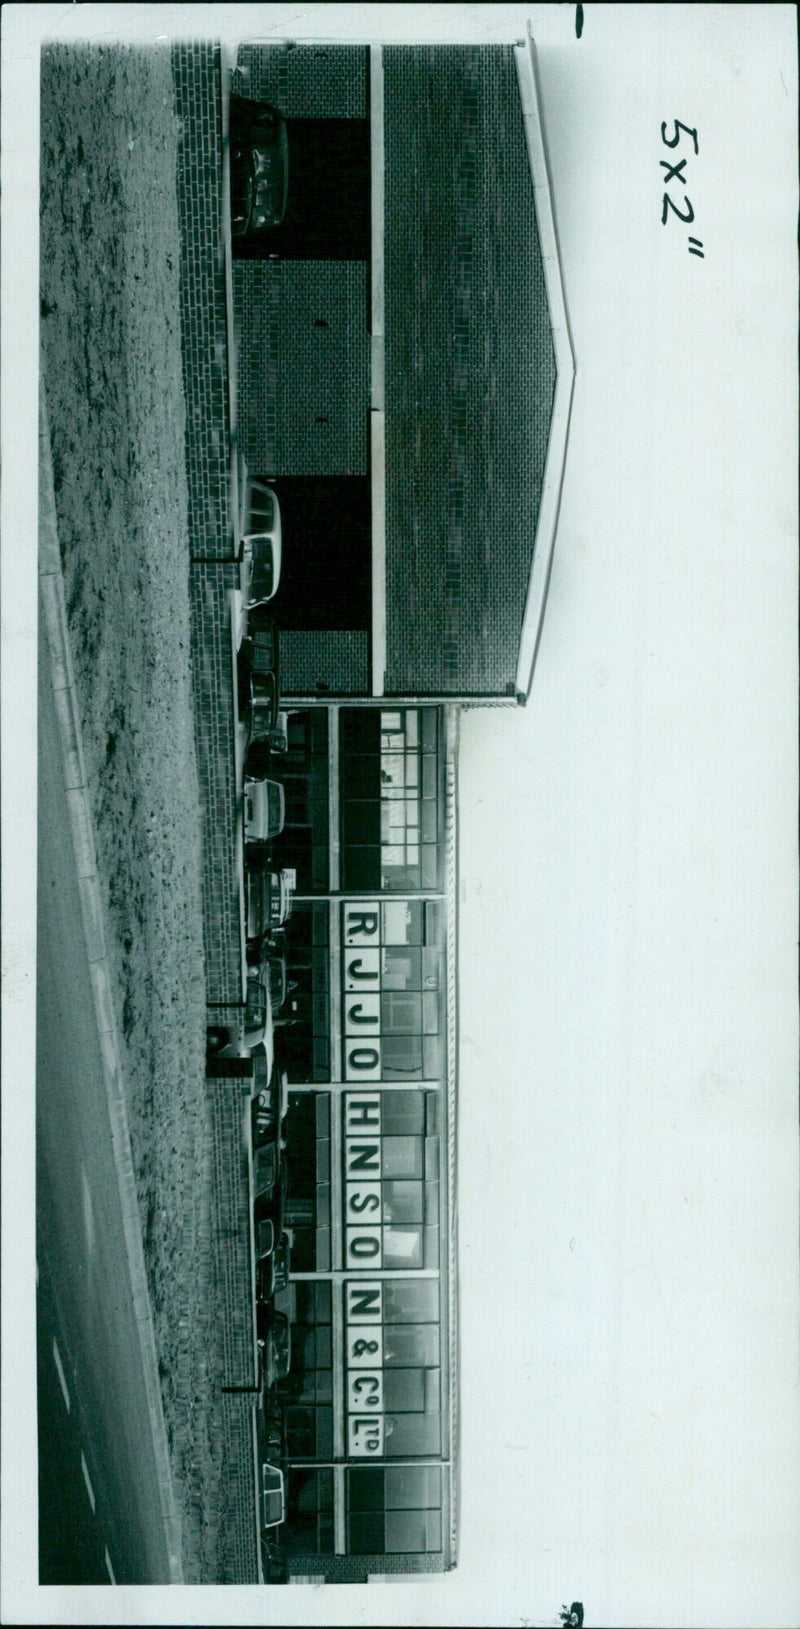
point(273, 1562)
point(270, 1205)
point(272, 1272)
point(274, 1347)
point(259, 166)
point(271, 1430)
point(268, 1106)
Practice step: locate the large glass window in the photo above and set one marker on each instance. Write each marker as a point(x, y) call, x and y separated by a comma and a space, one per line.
point(307, 1206)
point(394, 1510)
point(305, 1016)
point(393, 990)
point(308, 1529)
point(394, 1394)
point(391, 803)
point(303, 769)
point(391, 1179)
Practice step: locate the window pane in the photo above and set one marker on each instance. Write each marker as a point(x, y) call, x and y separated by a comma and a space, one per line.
point(401, 1014)
point(432, 1203)
point(431, 1015)
point(402, 1055)
point(403, 1113)
point(401, 969)
point(392, 769)
point(429, 776)
point(415, 1302)
point(361, 822)
point(402, 1202)
point(401, 1156)
point(406, 1345)
point(404, 1391)
point(406, 1532)
point(366, 1534)
point(365, 1488)
point(391, 721)
point(412, 726)
point(360, 730)
point(392, 854)
point(433, 1526)
point(429, 728)
point(362, 868)
point(402, 1247)
point(402, 923)
point(412, 1434)
point(433, 1056)
point(429, 821)
point(413, 1487)
point(430, 865)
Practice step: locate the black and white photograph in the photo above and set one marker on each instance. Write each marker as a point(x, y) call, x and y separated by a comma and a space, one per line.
point(399, 800)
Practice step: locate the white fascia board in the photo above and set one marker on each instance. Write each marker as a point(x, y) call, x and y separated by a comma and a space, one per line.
point(565, 372)
point(377, 399)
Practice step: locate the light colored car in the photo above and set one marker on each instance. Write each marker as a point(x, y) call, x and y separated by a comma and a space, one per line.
point(273, 1496)
point(264, 810)
point(259, 538)
point(252, 1027)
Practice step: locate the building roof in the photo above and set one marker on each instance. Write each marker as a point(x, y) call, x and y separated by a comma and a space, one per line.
point(475, 354)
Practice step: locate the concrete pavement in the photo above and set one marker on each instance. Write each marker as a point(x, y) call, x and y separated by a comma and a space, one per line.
point(87, 1209)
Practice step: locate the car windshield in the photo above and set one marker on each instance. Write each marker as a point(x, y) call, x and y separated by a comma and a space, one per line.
point(261, 508)
point(256, 1009)
point(262, 574)
point(275, 806)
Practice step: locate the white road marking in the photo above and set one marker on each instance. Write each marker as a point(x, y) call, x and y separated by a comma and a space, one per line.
point(61, 1376)
point(89, 1488)
point(110, 1569)
point(88, 1211)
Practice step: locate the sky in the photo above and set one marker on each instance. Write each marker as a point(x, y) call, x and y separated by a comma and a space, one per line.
point(628, 1157)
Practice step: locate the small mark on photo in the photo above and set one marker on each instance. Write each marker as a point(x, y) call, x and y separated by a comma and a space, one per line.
point(572, 1617)
point(578, 21)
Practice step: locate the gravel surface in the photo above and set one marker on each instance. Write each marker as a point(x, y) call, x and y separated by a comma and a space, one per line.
point(111, 373)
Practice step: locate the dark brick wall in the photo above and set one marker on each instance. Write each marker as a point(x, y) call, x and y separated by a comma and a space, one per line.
point(256, 306)
point(196, 78)
point(304, 366)
point(355, 1569)
point(340, 659)
point(238, 1560)
point(470, 369)
point(306, 81)
point(212, 673)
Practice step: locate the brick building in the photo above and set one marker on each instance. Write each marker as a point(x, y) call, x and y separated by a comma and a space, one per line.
point(403, 378)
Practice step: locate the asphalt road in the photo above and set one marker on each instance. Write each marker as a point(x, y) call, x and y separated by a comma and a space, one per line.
point(98, 1490)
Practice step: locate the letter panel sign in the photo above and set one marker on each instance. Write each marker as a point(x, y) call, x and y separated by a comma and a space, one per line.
point(364, 1357)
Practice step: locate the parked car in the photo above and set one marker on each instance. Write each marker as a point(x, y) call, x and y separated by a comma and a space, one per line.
point(259, 166)
point(258, 662)
point(268, 1107)
point(273, 1562)
point(270, 1206)
point(274, 1346)
point(273, 1496)
point(259, 528)
point(271, 1430)
point(269, 956)
point(272, 1270)
point(253, 1026)
point(268, 899)
point(264, 810)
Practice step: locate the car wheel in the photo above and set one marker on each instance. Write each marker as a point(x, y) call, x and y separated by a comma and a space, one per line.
point(216, 1037)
